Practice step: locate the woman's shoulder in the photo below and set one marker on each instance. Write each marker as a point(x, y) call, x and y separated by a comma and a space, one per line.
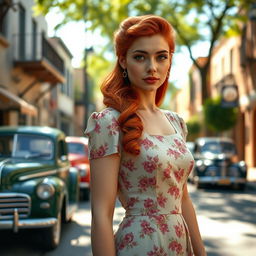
point(174, 116)
point(105, 114)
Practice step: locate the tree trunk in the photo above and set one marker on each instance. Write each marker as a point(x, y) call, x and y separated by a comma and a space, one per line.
point(204, 83)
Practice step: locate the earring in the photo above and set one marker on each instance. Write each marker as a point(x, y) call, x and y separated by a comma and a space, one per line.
point(124, 74)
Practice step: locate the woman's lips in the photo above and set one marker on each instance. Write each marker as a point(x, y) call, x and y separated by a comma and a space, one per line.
point(151, 80)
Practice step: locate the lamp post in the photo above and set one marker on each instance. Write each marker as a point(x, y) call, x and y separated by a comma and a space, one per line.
point(252, 12)
point(87, 91)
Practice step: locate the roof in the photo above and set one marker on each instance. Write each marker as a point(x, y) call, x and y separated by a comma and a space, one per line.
point(38, 130)
point(77, 139)
point(216, 139)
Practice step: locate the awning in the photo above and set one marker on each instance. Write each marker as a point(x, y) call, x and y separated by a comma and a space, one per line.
point(10, 101)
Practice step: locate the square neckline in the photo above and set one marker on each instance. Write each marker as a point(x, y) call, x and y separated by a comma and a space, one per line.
point(164, 135)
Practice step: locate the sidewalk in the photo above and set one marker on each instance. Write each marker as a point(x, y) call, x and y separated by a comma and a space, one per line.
point(251, 177)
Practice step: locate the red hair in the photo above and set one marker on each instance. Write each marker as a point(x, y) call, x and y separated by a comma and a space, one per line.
point(116, 89)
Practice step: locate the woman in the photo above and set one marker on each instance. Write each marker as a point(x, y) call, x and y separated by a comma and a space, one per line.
point(138, 152)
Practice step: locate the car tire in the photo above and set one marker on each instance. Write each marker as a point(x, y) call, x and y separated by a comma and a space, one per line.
point(51, 236)
point(85, 194)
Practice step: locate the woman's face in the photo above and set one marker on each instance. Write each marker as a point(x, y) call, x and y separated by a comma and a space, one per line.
point(147, 62)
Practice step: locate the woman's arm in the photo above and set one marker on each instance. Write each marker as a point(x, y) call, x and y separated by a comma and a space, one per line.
point(189, 215)
point(104, 176)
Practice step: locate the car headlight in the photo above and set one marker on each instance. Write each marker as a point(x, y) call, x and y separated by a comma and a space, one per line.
point(243, 166)
point(45, 190)
point(200, 165)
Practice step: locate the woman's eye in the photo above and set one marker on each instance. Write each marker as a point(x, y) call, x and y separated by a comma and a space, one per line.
point(162, 57)
point(139, 57)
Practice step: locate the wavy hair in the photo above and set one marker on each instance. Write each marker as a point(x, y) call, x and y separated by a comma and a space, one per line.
point(116, 89)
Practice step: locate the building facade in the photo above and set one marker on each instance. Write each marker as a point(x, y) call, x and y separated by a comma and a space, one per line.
point(31, 68)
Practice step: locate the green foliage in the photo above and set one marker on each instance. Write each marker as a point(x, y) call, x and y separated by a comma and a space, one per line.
point(194, 125)
point(218, 118)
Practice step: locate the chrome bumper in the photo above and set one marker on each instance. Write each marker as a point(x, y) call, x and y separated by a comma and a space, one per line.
point(220, 180)
point(84, 185)
point(17, 224)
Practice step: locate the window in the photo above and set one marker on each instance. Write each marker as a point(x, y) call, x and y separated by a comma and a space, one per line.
point(3, 19)
point(22, 32)
point(34, 39)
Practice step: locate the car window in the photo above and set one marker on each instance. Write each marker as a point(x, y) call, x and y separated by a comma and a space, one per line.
point(26, 146)
point(62, 149)
point(76, 148)
point(6, 143)
point(218, 147)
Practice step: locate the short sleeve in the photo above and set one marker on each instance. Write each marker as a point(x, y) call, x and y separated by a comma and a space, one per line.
point(183, 127)
point(104, 134)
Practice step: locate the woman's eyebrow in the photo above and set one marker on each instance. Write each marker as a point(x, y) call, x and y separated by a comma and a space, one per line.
point(145, 52)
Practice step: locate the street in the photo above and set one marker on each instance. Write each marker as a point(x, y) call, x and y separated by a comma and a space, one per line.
point(226, 219)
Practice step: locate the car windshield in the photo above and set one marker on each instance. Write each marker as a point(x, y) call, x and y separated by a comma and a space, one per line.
point(26, 146)
point(76, 148)
point(215, 147)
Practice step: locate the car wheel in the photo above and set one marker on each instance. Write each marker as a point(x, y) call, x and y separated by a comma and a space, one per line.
point(51, 236)
point(85, 194)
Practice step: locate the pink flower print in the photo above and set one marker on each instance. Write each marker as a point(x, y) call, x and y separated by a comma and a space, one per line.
point(164, 228)
point(100, 152)
point(174, 191)
point(97, 128)
point(179, 174)
point(161, 200)
point(127, 223)
point(148, 203)
point(147, 143)
point(161, 223)
point(160, 137)
point(192, 162)
point(127, 241)
point(171, 152)
point(175, 246)
point(130, 165)
point(167, 172)
point(176, 210)
point(113, 127)
point(152, 164)
point(145, 183)
point(126, 182)
point(181, 146)
point(132, 201)
point(179, 230)
point(170, 116)
point(159, 218)
point(152, 181)
point(97, 116)
point(157, 251)
point(146, 229)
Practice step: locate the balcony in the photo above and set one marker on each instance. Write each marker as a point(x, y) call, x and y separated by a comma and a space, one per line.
point(38, 58)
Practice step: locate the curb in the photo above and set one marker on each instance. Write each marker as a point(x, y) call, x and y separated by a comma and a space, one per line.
point(251, 185)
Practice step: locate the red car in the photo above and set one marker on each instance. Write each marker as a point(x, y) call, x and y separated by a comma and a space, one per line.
point(78, 157)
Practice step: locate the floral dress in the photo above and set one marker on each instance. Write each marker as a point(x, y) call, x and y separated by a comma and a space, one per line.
point(150, 186)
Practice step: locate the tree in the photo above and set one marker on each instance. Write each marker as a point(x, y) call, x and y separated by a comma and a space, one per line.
point(194, 21)
point(218, 118)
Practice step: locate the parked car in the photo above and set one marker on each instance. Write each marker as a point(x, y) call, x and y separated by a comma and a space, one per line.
point(38, 187)
point(78, 156)
point(216, 162)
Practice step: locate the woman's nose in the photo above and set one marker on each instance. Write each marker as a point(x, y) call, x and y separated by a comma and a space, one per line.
point(151, 66)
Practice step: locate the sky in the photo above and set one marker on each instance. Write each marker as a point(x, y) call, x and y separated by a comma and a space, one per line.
point(76, 39)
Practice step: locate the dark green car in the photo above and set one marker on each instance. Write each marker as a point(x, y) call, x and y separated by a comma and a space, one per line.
point(38, 188)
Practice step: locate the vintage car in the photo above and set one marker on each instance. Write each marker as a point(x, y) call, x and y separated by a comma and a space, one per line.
point(38, 187)
point(78, 157)
point(216, 163)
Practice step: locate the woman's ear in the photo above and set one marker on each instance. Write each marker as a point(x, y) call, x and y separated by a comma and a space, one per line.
point(122, 61)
